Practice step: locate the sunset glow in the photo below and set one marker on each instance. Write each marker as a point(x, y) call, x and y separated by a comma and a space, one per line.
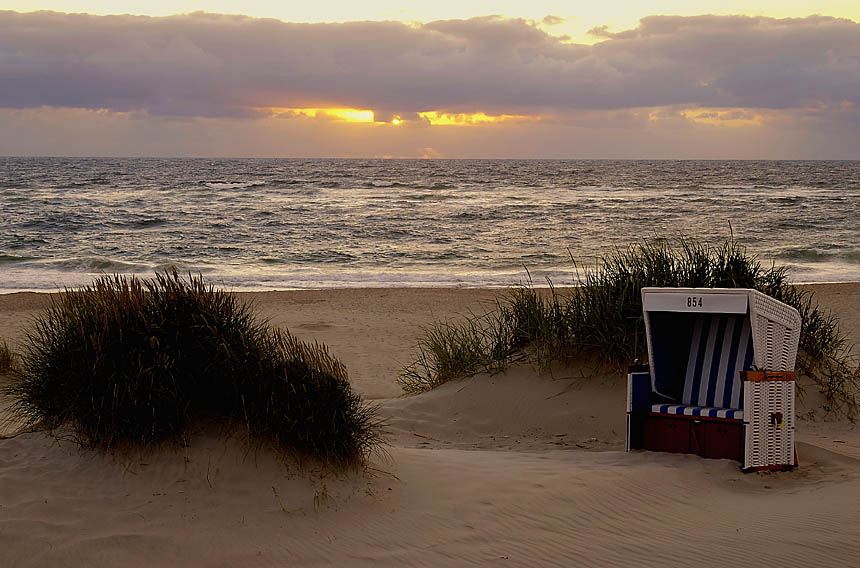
point(434, 118)
point(464, 119)
point(478, 79)
point(733, 117)
point(339, 114)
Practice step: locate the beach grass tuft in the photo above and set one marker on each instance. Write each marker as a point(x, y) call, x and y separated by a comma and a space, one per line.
point(601, 318)
point(138, 361)
point(455, 349)
point(7, 357)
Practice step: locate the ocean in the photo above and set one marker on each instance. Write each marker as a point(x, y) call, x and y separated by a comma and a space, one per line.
point(256, 224)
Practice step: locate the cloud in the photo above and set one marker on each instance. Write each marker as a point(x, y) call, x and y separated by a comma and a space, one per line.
point(208, 65)
point(601, 31)
point(551, 20)
point(637, 133)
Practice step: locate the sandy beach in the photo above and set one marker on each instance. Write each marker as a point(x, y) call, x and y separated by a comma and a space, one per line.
point(518, 469)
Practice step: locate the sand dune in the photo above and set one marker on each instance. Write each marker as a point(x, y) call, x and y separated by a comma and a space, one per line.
point(518, 469)
point(217, 505)
point(521, 409)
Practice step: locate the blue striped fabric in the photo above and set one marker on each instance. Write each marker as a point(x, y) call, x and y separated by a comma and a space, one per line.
point(720, 349)
point(698, 411)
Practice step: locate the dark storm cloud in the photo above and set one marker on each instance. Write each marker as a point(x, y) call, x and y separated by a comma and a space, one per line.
point(215, 65)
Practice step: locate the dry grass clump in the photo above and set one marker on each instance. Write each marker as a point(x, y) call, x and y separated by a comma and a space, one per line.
point(602, 318)
point(128, 361)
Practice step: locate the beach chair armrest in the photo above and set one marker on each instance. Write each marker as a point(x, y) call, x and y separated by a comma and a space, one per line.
point(638, 389)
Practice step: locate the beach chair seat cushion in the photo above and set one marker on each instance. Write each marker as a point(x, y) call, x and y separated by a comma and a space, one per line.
point(705, 411)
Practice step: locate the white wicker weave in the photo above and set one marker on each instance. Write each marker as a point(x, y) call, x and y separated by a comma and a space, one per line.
point(768, 444)
point(776, 332)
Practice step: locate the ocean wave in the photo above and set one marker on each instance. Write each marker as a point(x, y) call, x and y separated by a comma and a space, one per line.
point(806, 254)
point(233, 184)
point(730, 186)
point(430, 197)
point(383, 185)
point(147, 223)
point(96, 265)
point(313, 278)
point(469, 216)
point(323, 257)
point(55, 224)
point(183, 268)
point(790, 200)
point(460, 217)
point(11, 258)
point(818, 255)
point(435, 186)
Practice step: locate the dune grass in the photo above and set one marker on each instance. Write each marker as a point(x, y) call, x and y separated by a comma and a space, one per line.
point(7, 357)
point(126, 361)
point(602, 318)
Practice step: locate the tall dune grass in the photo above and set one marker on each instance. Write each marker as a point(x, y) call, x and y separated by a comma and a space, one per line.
point(129, 361)
point(602, 318)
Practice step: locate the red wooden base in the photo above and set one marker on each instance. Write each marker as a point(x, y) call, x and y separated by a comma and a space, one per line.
point(717, 438)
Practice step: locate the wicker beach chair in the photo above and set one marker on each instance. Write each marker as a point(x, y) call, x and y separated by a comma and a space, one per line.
point(720, 382)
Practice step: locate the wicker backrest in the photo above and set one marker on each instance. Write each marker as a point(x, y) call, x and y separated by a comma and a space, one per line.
point(721, 347)
point(776, 332)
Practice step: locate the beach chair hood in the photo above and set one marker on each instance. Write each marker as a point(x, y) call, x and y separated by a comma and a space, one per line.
point(715, 333)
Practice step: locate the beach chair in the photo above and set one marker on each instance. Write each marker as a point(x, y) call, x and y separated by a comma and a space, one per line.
point(720, 378)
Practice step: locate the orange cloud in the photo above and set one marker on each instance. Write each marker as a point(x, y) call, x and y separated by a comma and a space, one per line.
point(434, 118)
point(729, 117)
point(340, 114)
point(437, 118)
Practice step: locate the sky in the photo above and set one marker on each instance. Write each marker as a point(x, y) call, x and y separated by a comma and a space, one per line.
point(540, 79)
